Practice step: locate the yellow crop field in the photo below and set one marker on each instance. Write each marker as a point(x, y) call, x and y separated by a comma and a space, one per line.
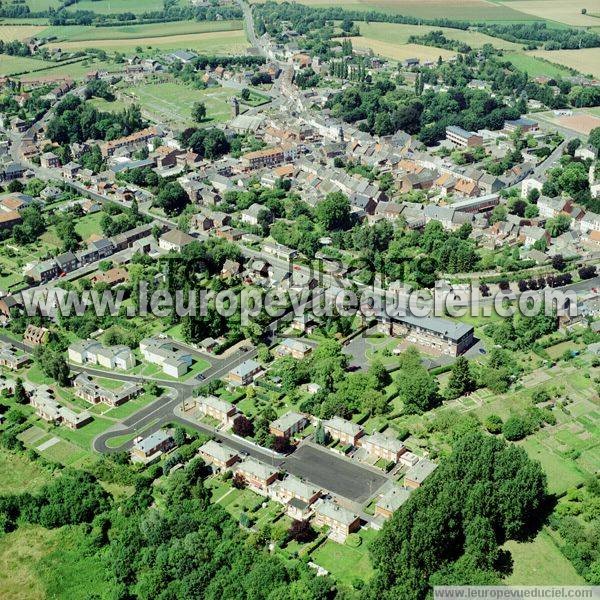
point(9, 33)
point(402, 51)
point(559, 10)
point(585, 60)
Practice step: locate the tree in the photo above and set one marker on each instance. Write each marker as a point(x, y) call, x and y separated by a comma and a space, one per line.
point(417, 389)
point(172, 198)
point(198, 112)
point(333, 213)
point(514, 428)
point(461, 380)
point(245, 94)
point(301, 532)
point(242, 426)
point(594, 138)
point(20, 395)
point(558, 262)
point(493, 424)
point(238, 481)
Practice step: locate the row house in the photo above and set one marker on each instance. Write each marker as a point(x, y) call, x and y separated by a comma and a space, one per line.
point(418, 473)
point(219, 456)
point(214, 407)
point(88, 390)
point(129, 143)
point(257, 475)
point(48, 409)
point(269, 157)
point(94, 353)
point(344, 431)
point(341, 521)
point(288, 425)
point(296, 495)
point(148, 449)
point(10, 357)
point(391, 501)
point(382, 446)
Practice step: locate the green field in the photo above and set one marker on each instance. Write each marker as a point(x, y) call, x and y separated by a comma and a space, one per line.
point(398, 34)
point(12, 65)
point(535, 67)
point(460, 10)
point(88, 225)
point(172, 102)
point(540, 561)
point(17, 474)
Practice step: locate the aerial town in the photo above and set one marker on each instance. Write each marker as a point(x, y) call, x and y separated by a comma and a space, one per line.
point(298, 300)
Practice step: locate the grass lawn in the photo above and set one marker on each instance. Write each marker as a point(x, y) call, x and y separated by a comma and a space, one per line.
point(83, 437)
point(172, 102)
point(105, 106)
point(130, 407)
point(115, 442)
point(35, 375)
point(540, 561)
point(18, 474)
point(346, 563)
point(88, 225)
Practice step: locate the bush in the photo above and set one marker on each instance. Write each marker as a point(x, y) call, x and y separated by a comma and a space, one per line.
point(514, 428)
point(493, 424)
point(354, 540)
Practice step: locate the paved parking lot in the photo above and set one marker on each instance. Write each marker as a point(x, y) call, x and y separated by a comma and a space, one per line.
point(326, 469)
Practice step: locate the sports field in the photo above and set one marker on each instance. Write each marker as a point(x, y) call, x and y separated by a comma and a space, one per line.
point(568, 13)
point(461, 10)
point(172, 102)
point(586, 60)
point(398, 34)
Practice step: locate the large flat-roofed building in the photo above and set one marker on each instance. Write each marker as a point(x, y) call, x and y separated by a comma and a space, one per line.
point(219, 456)
point(288, 424)
point(382, 446)
point(433, 333)
point(522, 123)
point(342, 430)
point(477, 204)
point(463, 138)
point(418, 473)
point(161, 351)
point(93, 352)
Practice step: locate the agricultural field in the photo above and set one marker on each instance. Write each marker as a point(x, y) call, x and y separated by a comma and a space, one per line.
point(581, 121)
point(12, 65)
point(106, 7)
point(534, 66)
point(82, 33)
point(465, 10)
point(403, 51)
point(214, 42)
point(17, 474)
point(568, 13)
point(398, 34)
point(172, 102)
point(41, 5)
point(585, 60)
point(9, 33)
